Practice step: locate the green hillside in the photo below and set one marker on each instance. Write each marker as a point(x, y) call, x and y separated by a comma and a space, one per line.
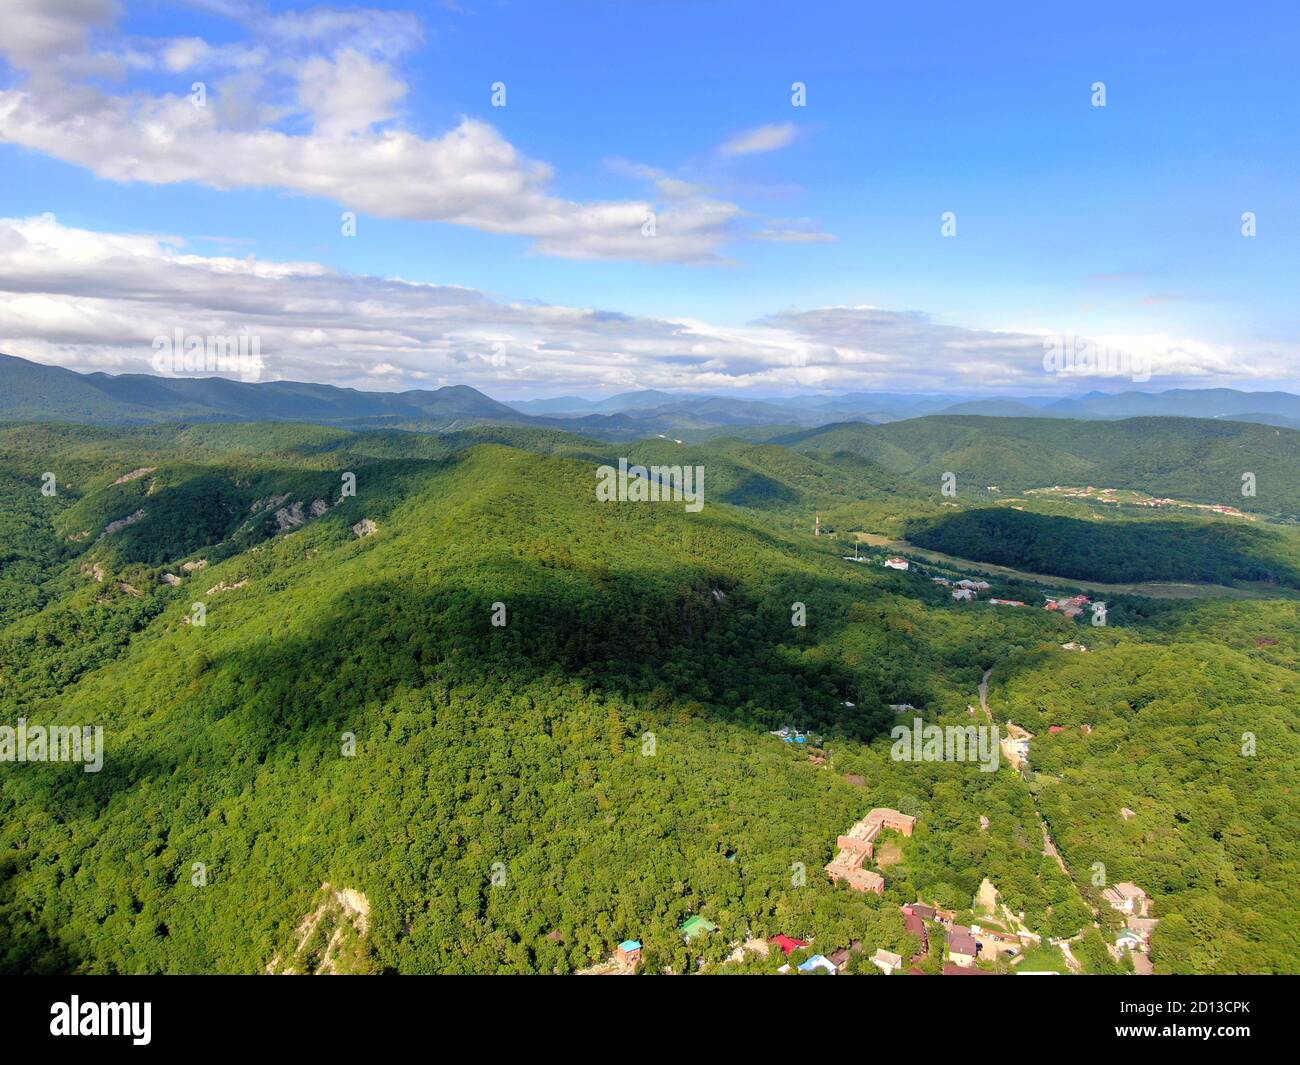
point(1118, 551)
point(521, 797)
point(1186, 458)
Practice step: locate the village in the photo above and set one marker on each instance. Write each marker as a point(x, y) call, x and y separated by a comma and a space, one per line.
point(987, 940)
point(969, 589)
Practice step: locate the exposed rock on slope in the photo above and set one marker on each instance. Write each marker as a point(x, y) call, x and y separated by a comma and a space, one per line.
point(332, 940)
point(134, 474)
point(121, 523)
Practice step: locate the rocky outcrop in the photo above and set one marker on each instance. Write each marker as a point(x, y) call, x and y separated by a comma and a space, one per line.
point(365, 527)
point(222, 586)
point(121, 523)
point(190, 567)
point(267, 503)
point(134, 474)
point(170, 578)
point(332, 940)
point(289, 517)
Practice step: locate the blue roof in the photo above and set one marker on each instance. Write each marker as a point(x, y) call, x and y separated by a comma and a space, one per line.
point(630, 944)
point(817, 961)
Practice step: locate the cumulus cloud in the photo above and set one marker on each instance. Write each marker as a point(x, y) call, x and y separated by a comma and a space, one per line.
point(332, 73)
point(95, 301)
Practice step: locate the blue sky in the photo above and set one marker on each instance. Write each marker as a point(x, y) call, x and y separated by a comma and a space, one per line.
point(1119, 223)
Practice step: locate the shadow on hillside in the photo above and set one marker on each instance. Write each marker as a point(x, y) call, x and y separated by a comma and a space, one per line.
point(1213, 552)
point(671, 646)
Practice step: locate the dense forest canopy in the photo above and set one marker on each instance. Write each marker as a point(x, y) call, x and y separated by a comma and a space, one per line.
point(528, 725)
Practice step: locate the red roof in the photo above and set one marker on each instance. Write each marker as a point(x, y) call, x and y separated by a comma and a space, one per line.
point(956, 970)
point(1056, 728)
point(787, 944)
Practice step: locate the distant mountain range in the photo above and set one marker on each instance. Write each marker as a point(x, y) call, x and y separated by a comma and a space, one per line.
point(32, 391)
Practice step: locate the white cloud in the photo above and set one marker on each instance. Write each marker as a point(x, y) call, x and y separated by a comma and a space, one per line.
point(347, 93)
point(94, 301)
point(184, 52)
point(763, 139)
point(41, 34)
point(334, 71)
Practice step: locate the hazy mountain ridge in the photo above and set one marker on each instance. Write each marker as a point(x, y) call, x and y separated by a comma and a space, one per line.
point(32, 391)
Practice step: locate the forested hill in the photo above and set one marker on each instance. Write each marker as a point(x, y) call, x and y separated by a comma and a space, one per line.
point(1187, 458)
point(520, 796)
point(1213, 552)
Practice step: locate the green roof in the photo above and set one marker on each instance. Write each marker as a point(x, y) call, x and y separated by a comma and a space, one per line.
point(697, 926)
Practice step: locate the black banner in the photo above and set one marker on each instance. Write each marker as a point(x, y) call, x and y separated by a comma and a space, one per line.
point(153, 1014)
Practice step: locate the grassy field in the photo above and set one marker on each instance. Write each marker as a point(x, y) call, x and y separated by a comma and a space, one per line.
point(1043, 958)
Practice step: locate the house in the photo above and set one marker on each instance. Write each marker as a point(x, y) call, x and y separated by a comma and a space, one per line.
point(920, 909)
point(896, 563)
point(984, 823)
point(1055, 729)
point(1142, 927)
point(628, 953)
point(1127, 898)
point(1006, 602)
point(963, 593)
point(901, 708)
point(916, 926)
point(950, 969)
point(858, 845)
point(694, 927)
point(840, 958)
point(962, 948)
point(1071, 606)
point(1072, 645)
point(942, 580)
point(788, 944)
point(816, 962)
point(1086, 729)
point(886, 961)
